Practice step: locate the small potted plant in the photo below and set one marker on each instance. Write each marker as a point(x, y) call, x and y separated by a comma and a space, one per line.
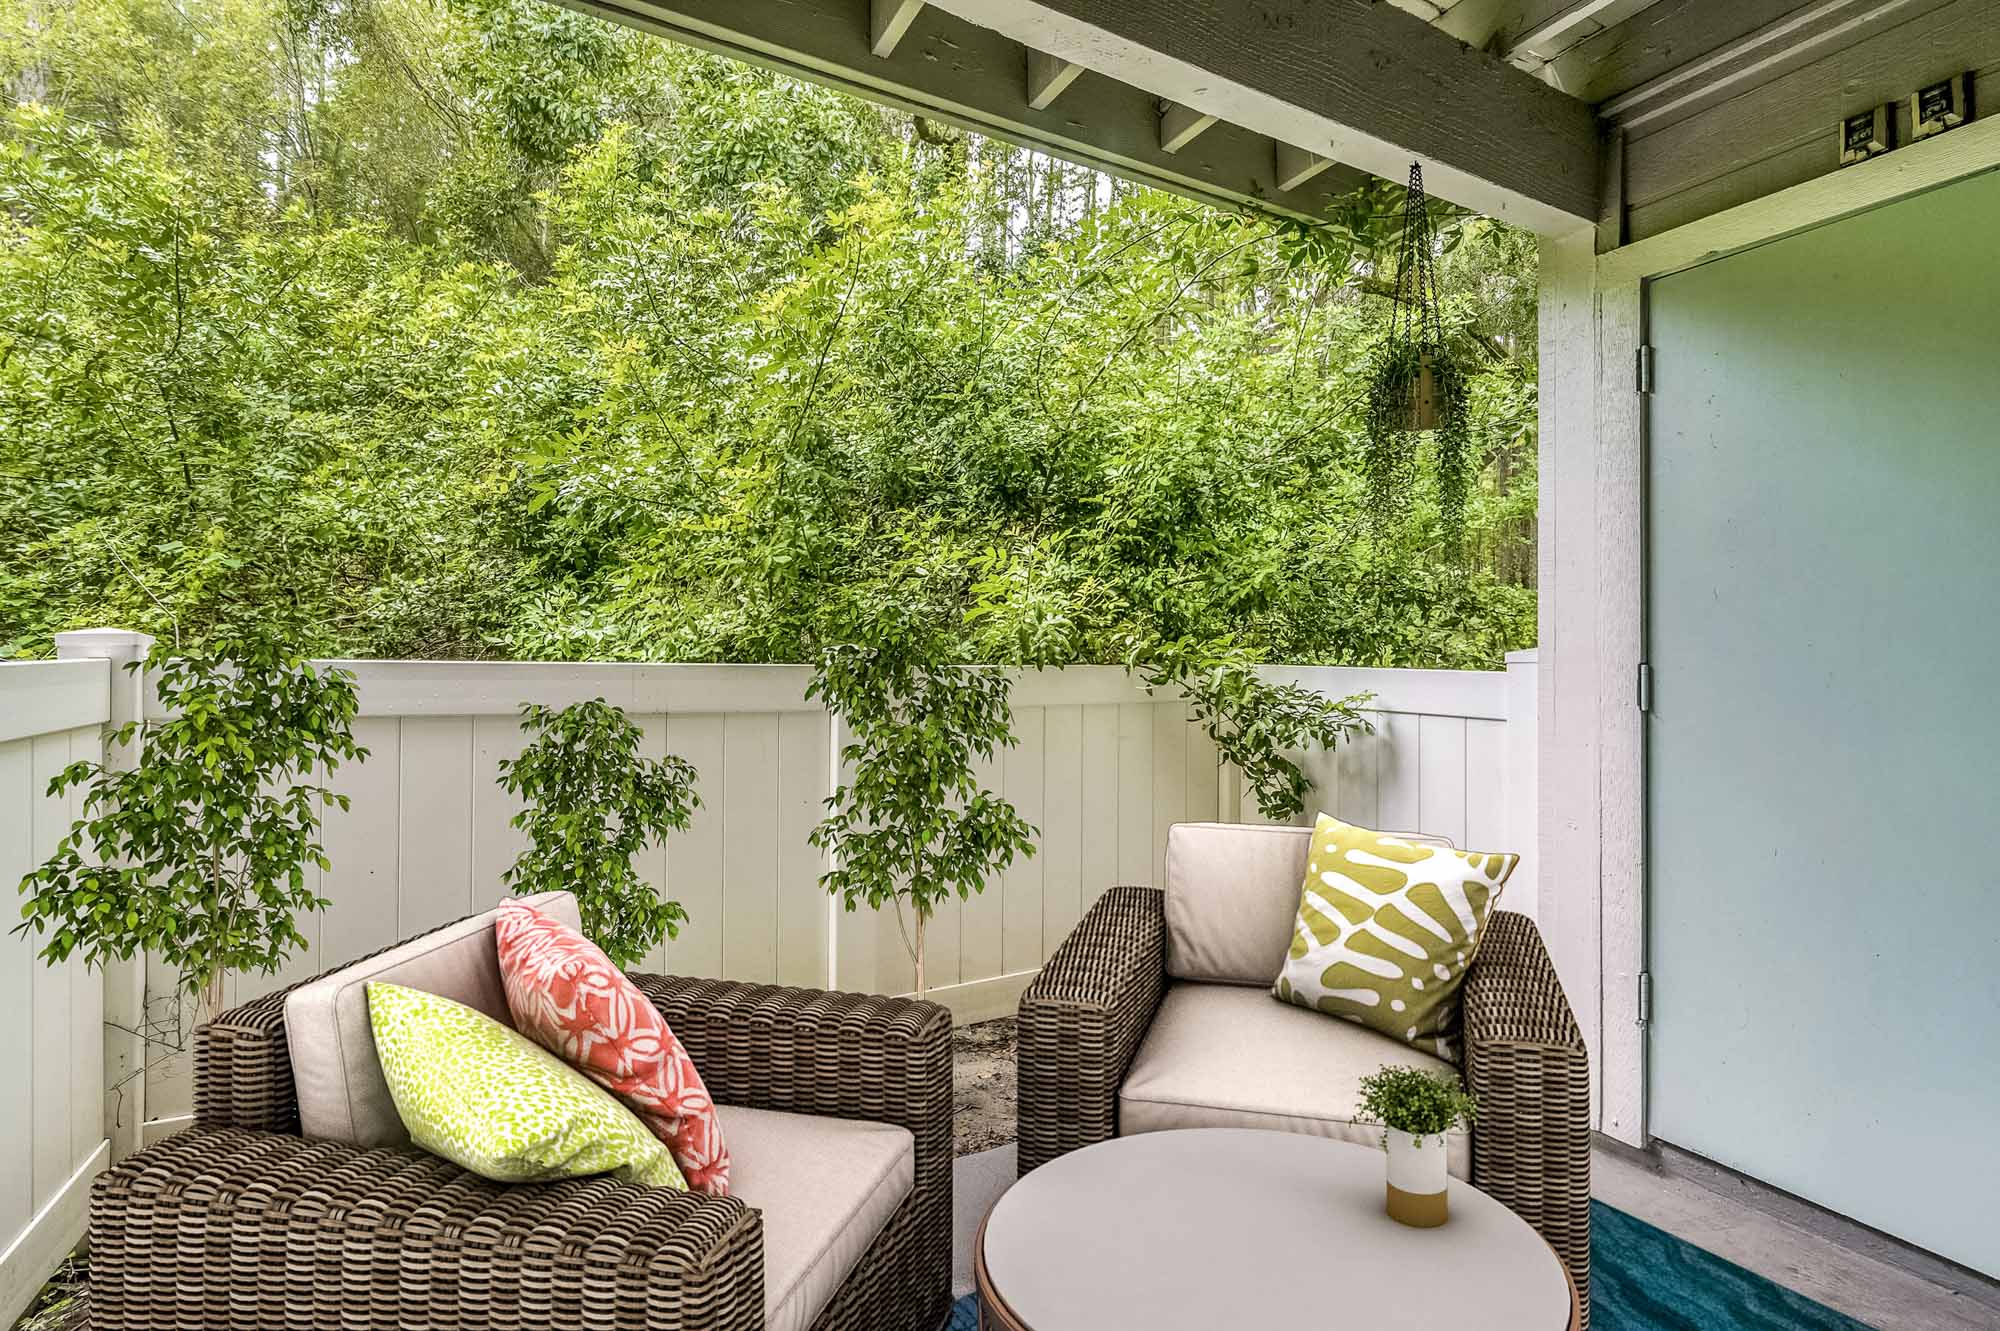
point(1416, 1109)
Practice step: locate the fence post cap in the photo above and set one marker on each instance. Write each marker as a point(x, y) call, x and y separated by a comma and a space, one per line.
point(89, 643)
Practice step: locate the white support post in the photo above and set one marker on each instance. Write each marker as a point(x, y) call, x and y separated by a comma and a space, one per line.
point(124, 982)
point(1180, 126)
point(1521, 755)
point(888, 20)
point(1048, 75)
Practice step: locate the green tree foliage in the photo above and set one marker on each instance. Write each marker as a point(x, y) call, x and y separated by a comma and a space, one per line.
point(198, 855)
point(911, 823)
point(479, 328)
point(592, 803)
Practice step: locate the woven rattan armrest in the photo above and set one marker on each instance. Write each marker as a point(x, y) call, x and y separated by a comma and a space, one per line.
point(247, 1231)
point(1081, 1021)
point(1526, 1062)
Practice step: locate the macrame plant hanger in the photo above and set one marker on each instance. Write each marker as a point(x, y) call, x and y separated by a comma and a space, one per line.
point(1417, 317)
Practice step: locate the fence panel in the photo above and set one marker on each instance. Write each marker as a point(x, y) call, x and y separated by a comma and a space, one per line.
point(52, 1133)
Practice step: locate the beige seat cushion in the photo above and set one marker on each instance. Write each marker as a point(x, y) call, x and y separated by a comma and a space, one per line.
point(338, 1079)
point(1225, 1056)
point(826, 1187)
point(1232, 896)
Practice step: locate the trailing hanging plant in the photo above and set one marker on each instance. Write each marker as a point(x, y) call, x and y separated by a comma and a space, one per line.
point(1415, 385)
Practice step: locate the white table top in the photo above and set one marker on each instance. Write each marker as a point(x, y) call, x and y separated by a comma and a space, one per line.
point(1226, 1227)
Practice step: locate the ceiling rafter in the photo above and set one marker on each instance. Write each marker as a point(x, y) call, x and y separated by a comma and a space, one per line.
point(1181, 125)
point(888, 20)
point(1047, 77)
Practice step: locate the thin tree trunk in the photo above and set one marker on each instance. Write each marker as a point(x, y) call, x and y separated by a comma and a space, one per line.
point(921, 914)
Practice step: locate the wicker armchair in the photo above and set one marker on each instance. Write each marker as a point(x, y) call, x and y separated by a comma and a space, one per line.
point(241, 1224)
point(1083, 1019)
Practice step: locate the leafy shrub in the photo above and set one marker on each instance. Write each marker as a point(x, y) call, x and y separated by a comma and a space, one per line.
point(198, 855)
point(592, 803)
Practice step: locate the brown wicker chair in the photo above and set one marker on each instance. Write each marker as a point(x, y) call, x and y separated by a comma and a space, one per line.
point(1083, 1019)
point(241, 1224)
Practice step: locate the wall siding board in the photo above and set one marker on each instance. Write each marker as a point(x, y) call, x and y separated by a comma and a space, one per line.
point(982, 918)
point(1099, 862)
point(750, 850)
point(1133, 780)
point(1063, 824)
point(49, 996)
point(496, 842)
point(1169, 779)
point(1357, 796)
point(801, 901)
point(1398, 773)
point(18, 796)
point(1485, 786)
point(651, 862)
point(1441, 777)
point(434, 864)
point(1204, 772)
point(1024, 782)
point(361, 844)
point(697, 859)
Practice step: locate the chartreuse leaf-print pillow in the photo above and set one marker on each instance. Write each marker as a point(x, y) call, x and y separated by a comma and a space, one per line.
point(493, 1101)
point(1386, 929)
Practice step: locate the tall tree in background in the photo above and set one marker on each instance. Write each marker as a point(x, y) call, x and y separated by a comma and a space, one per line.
point(483, 328)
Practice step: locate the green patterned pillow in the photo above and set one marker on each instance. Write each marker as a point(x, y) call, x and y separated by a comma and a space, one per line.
point(1386, 929)
point(493, 1101)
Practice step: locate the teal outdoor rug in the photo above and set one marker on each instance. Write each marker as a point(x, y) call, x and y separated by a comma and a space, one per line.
point(1645, 1279)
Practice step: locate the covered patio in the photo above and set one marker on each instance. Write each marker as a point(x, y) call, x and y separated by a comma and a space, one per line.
point(1763, 664)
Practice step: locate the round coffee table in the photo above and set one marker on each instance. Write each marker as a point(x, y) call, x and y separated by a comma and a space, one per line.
point(1226, 1227)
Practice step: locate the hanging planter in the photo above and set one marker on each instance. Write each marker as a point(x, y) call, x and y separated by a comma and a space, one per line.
point(1415, 386)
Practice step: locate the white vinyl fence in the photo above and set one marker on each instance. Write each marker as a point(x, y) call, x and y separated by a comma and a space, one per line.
point(1103, 768)
point(52, 1103)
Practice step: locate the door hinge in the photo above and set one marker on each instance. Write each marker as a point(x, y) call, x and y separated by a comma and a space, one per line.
point(1645, 687)
point(1645, 998)
point(1644, 370)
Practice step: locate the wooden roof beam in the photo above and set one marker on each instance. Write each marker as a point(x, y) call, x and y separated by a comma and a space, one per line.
point(1180, 126)
point(1047, 77)
point(963, 74)
point(1366, 84)
point(888, 20)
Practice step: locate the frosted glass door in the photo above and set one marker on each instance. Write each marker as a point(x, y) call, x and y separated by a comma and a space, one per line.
point(1823, 754)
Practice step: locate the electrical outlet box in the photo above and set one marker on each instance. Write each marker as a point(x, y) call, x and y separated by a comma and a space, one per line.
point(1937, 107)
point(1867, 134)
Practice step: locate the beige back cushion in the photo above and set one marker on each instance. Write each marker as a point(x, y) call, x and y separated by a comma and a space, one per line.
point(1232, 896)
point(342, 1094)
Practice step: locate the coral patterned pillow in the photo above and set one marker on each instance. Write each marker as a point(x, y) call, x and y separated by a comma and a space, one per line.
point(566, 996)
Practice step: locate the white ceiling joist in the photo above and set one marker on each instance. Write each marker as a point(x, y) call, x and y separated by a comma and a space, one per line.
point(1181, 125)
point(963, 74)
point(1338, 74)
point(1296, 166)
point(888, 20)
point(1550, 34)
point(1047, 77)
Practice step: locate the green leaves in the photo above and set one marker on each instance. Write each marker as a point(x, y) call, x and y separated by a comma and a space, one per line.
point(592, 803)
point(911, 821)
point(535, 337)
point(1423, 1104)
point(198, 854)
